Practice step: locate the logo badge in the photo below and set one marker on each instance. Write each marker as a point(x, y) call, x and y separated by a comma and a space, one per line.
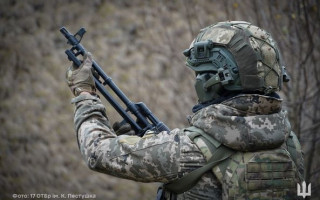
point(304, 193)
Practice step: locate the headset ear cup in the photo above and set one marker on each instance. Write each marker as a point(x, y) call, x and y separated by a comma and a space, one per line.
point(205, 90)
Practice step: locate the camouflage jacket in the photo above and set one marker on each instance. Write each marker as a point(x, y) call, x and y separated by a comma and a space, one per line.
point(167, 156)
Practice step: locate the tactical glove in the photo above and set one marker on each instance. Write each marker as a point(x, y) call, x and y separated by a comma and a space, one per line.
point(81, 79)
point(123, 129)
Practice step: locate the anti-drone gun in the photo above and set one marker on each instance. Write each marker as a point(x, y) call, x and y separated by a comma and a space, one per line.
point(145, 119)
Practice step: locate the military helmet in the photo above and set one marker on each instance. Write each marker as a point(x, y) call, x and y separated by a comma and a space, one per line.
point(235, 56)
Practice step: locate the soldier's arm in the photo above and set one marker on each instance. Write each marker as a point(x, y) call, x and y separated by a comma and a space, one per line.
point(154, 158)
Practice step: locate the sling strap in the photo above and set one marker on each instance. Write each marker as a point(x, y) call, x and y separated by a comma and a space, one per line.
point(189, 180)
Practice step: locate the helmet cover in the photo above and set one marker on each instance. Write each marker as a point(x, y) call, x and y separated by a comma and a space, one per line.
point(251, 49)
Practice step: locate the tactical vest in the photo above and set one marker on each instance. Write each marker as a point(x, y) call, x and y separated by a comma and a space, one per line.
point(263, 175)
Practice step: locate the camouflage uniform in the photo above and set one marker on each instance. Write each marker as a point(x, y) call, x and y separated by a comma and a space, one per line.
point(244, 123)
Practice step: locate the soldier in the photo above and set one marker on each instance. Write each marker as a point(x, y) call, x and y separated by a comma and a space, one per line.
point(239, 144)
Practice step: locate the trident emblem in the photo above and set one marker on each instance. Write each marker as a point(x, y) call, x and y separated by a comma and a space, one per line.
point(304, 192)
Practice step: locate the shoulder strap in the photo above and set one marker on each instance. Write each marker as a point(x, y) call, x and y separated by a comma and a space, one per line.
point(189, 180)
point(292, 147)
point(195, 132)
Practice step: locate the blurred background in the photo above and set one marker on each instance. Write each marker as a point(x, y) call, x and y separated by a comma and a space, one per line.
point(139, 44)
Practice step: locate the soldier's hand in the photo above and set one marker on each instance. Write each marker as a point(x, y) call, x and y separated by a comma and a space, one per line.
point(122, 129)
point(81, 79)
